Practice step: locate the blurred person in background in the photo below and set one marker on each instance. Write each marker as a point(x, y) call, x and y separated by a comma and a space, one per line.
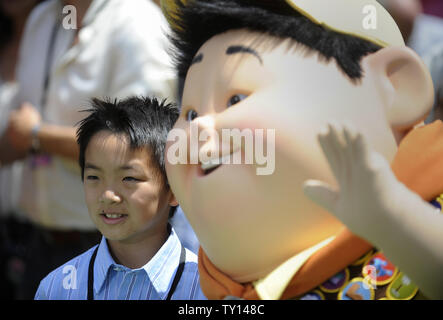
point(404, 13)
point(434, 61)
point(433, 7)
point(13, 227)
point(72, 51)
point(420, 22)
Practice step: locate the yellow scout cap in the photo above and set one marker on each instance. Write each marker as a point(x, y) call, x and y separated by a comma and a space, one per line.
point(169, 8)
point(366, 19)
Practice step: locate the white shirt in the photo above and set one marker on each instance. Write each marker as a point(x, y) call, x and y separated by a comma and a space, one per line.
point(9, 175)
point(121, 51)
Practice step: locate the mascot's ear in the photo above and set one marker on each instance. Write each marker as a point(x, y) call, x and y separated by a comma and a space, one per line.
point(405, 84)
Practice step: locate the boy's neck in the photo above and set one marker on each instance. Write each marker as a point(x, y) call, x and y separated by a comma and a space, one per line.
point(135, 254)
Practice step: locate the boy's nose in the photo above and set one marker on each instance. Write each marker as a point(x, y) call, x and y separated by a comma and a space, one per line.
point(109, 197)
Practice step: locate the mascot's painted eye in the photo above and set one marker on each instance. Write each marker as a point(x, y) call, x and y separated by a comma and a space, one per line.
point(236, 99)
point(191, 115)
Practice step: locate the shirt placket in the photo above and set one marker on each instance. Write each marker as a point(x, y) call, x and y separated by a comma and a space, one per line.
point(127, 285)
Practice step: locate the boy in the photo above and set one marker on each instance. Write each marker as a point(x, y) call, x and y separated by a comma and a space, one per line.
point(289, 66)
point(129, 200)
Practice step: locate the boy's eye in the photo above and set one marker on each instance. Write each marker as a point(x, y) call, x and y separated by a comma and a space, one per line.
point(91, 178)
point(191, 115)
point(130, 179)
point(236, 99)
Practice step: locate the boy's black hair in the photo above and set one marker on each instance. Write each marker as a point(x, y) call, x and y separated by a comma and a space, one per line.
point(145, 121)
point(199, 20)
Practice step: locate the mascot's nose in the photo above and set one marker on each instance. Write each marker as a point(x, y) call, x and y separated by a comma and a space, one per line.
point(208, 137)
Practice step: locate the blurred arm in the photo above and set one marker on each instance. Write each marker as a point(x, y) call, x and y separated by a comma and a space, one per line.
point(59, 140)
point(56, 140)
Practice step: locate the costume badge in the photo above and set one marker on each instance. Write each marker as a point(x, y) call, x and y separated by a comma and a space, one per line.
point(402, 288)
point(313, 295)
point(379, 269)
point(357, 289)
point(335, 283)
point(438, 203)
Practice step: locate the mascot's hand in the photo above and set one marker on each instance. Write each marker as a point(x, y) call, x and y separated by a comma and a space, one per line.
point(369, 194)
point(376, 206)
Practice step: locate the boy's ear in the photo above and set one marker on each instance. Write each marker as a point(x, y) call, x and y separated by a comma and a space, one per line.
point(172, 200)
point(405, 84)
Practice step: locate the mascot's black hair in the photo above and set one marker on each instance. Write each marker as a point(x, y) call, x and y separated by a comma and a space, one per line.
point(200, 20)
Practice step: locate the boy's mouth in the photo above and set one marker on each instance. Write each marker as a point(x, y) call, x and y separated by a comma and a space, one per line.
point(113, 218)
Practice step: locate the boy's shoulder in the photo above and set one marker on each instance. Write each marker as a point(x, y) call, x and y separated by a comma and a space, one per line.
point(69, 281)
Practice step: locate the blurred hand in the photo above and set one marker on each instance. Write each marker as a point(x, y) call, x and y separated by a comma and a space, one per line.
point(21, 122)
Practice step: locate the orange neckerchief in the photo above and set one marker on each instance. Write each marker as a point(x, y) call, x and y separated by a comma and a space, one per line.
point(326, 262)
point(419, 160)
point(417, 164)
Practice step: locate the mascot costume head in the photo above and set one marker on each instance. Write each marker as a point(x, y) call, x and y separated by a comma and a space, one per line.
point(276, 71)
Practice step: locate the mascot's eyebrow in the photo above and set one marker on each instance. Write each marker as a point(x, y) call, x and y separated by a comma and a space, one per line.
point(242, 49)
point(198, 58)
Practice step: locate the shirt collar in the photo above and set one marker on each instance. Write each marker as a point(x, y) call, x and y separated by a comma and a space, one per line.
point(274, 284)
point(103, 263)
point(160, 269)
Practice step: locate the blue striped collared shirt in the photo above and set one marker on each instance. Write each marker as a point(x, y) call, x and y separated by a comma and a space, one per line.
point(113, 281)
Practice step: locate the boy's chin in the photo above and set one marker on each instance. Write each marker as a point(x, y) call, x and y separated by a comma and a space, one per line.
point(121, 236)
point(113, 236)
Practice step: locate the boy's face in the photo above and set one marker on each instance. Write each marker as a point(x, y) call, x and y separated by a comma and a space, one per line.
point(248, 223)
point(126, 198)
